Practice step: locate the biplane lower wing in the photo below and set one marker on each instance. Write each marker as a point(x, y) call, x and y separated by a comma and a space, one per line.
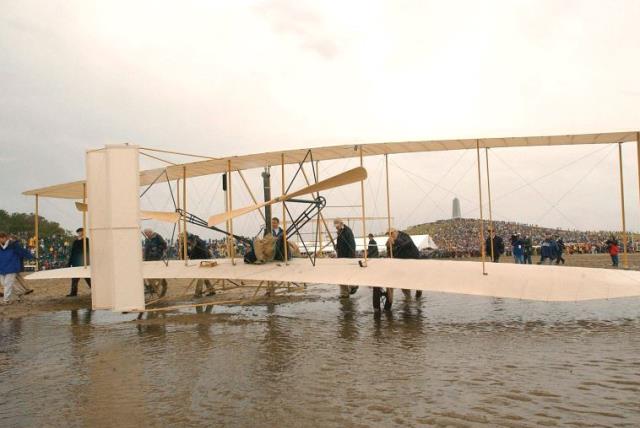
point(529, 282)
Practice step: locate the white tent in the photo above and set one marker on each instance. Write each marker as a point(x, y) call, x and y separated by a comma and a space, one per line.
point(423, 242)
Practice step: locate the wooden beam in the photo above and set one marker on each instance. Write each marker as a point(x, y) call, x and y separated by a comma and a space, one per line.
point(364, 217)
point(232, 246)
point(482, 251)
point(324, 222)
point(284, 216)
point(84, 226)
point(253, 198)
point(386, 167)
point(486, 153)
point(184, 218)
point(37, 233)
point(625, 259)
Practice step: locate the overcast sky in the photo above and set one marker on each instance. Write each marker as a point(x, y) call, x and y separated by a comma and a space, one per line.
point(224, 78)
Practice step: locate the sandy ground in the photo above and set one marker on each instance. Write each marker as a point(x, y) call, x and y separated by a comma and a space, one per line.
point(49, 295)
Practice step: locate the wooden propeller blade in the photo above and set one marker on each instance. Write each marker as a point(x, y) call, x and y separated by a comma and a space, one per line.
point(347, 177)
point(168, 216)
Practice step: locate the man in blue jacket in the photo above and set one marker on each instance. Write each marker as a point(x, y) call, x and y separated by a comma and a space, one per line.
point(11, 255)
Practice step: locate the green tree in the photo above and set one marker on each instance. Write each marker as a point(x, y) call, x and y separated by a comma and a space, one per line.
point(23, 223)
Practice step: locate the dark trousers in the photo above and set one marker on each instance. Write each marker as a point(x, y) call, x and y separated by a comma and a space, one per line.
point(74, 285)
point(496, 257)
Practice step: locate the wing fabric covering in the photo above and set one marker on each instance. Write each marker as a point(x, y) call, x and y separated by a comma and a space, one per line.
point(529, 282)
point(166, 216)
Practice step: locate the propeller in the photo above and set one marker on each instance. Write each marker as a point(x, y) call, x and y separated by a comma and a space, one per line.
point(167, 216)
point(347, 177)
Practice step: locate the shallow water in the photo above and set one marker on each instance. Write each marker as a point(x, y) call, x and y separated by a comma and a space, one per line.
point(444, 360)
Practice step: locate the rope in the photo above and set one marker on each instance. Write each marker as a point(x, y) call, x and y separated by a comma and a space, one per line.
point(574, 186)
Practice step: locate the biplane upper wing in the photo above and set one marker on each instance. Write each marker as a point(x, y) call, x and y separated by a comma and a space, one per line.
point(74, 190)
point(529, 282)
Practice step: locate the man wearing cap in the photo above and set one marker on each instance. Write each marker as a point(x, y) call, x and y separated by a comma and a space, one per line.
point(76, 258)
point(345, 248)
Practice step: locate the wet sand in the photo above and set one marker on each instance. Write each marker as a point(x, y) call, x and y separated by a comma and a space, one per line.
point(316, 360)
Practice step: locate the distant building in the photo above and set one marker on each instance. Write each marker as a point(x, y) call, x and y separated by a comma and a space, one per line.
point(456, 209)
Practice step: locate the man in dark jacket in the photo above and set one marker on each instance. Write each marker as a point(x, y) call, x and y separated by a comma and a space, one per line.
point(561, 247)
point(276, 230)
point(402, 247)
point(372, 249)
point(498, 247)
point(197, 250)
point(11, 255)
point(528, 250)
point(517, 248)
point(76, 258)
point(154, 249)
point(154, 246)
point(548, 250)
point(345, 248)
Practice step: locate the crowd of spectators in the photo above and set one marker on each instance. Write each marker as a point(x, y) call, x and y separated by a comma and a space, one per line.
point(455, 238)
point(461, 237)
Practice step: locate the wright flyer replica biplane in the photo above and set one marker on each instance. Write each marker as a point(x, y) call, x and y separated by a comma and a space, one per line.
point(110, 202)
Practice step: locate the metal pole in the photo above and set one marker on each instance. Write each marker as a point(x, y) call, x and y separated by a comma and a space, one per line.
point(84, 225)
point(386, 165)
point(225, 189)
point(37, 233)
point(625, 260)
point(482, 251)
point(184, 218)
point(284, 215)
point(364, 220)
point(486, 153)
point(232, 242)
point(266, 185)
point(179, 248)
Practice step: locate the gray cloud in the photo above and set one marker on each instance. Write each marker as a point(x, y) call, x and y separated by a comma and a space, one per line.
point(308, 27)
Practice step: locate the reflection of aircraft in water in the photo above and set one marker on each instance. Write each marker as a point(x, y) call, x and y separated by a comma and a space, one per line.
point(111, 200)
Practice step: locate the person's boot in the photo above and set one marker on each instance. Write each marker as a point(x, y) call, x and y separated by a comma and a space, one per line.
point(73, 292)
